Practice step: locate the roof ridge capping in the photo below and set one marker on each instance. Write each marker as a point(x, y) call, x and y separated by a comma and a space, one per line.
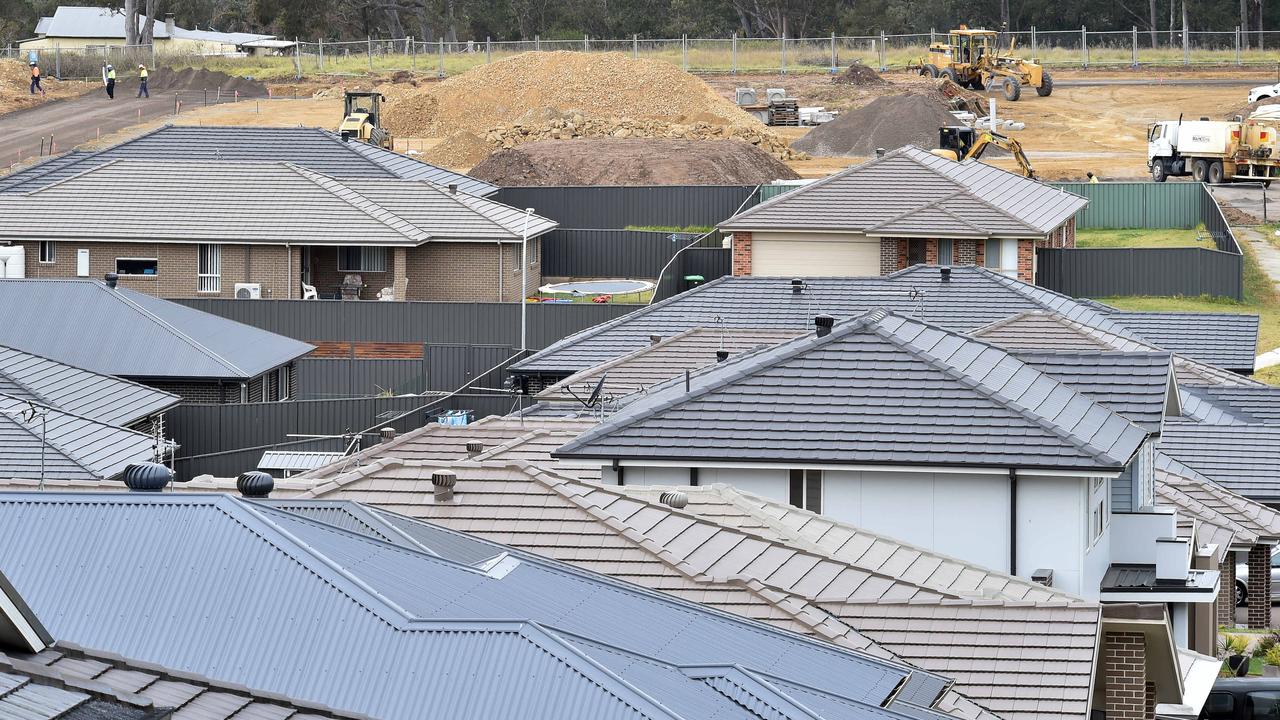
point(352, 197)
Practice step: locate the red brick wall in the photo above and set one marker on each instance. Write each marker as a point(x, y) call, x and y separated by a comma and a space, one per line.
point(1259, 583)
point(930, 252)
point(1226, 603)
point(964, 252)
point(1124, 673)
point(1027, 261)
point(980, 253)
point(741, 253)
point(904, 253)
point(888, 256)
point(470, 272)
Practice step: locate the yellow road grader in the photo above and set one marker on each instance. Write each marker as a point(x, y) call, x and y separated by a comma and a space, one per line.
point(970, 58)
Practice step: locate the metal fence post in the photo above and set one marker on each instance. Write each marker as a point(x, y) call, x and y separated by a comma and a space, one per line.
point(440, 69)
point(782, 54)
point(370, 39)
point(933, 36)
point(320, 54)
point(413, 56)
point(488, 49)
point(586, 43)
point(833, 53)
point(407, 41)
point(537, 43)
point(153, 54)
point(57, 61)
point(884, 52)
point(1084, 45)
point(734, 54)
point(297, 59)
point(1135, 46)
point(1033, 40)
point(635, 47)
point(1238, 46)
point(684, 52)
point(1186, 44)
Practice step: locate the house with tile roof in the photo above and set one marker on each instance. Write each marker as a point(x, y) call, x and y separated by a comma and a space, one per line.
point(271, 230)
point(906, 208)
point(499, 632)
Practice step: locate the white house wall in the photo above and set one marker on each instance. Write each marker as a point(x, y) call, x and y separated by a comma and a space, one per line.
point(1052, 524)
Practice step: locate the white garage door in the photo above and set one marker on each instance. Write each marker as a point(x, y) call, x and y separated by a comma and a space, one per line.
point(801, 258)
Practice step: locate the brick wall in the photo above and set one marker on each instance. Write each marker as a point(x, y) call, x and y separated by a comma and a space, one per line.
point(980, 253)
point(1225, 607)
point(904, 253)
point(1259, 583)
point(1124, 673)
point(1149, 700)
point(1027, 261)
point(198, 392)
point(176, 265)
point(965, 252)
point(888, 256)
point(471, 272)
point(1063, 237)
point(895, 253)
point(741, 253)
point(931, 252)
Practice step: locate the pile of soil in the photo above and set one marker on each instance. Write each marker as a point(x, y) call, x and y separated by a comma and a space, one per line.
point(887, 122)
point(15, 87)
point(1247, 110)
point(610, 161)
point(859, 75)
point(192, 79)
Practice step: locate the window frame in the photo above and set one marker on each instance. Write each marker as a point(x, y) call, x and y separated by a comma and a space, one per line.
point(367, 253)
point(950, 246)
point(209, 255)
point(806, 488)
point(155, 261)
point(51, 256)
point(283, 378)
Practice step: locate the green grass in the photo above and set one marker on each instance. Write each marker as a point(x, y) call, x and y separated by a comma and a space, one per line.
point(1143, 238)
point(1259, 298)
point(691, 229)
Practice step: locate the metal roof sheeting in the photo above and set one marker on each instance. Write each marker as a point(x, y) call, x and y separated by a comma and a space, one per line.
point(293, 460)
point(129, 334)
point(70, 21)
point(879, 389)
point(61, 446)
point(78, 391)
point(911, 192)
point(460, 626)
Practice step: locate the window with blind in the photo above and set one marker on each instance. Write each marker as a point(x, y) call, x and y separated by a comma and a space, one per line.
point(806, 489)
point(209, 268)
point(362, 259)
point(946, 252)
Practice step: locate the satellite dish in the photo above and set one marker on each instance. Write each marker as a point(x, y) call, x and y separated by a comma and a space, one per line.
point(595, 393)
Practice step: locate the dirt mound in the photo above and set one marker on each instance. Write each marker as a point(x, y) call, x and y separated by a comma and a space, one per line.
point(887, 122)
point(192, 79)
point(1247, 110)
point(612, 161)
point(459, 151)
point(860, 75)
point(15, 87)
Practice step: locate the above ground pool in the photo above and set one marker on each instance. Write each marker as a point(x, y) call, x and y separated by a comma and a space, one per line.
point(598, 287)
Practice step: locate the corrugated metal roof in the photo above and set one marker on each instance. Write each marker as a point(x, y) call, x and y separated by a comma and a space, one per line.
point(294, 460)
point(316, 149)
point(378, 601)
point(1241, 458)
point(78, 391)
point(973, 298)
point(911, 192)
point(129, 334)
point(879, 389)
point(70, 21)
point(59, 445)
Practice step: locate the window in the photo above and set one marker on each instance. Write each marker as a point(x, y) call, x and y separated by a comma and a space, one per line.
point(1219, 706)
point(1002, 256)
point(46, 251)
point(209, 268)
point(1262, 706)
point(1099, 517)
point(136, 266)
point(282, 380)
point(362, 259)
point(806, 489)
point(946, 253)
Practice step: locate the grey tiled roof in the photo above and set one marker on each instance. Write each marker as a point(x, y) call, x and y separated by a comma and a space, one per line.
point(76, 683)
point(129, 334)
point(748, 555)
point(1252, 405)
point(1227, 340)
point(64, 446)
point(911, 192)
point(251, 202)
point(1241, 458)
point(317, 150)
point(78, 391)
point(1134, 384)
point(974, 298)
point(1200, 497)
point(880, 389)
point(543, 627)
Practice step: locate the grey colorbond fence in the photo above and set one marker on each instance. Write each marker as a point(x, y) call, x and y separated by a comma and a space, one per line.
point(328, 378)
point(1105, 272)
point(433, 322)
point(707, 262)
point(225, 440)
point(613, 253)
point(617, 208)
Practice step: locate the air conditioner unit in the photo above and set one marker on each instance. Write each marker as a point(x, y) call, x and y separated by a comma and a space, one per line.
point(746, 96)
point(775, 94)
point(248, 291)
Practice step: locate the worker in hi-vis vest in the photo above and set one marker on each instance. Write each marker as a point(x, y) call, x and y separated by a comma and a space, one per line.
point(109, 79)
point(142, 81)
point(35, 78)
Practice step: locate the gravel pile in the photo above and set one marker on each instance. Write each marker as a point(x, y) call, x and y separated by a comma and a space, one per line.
point(610, 161)
point(859, 75)
point(887, 122)
point(192, 79)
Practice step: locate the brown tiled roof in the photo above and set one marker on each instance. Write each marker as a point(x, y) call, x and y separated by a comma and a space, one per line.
point(732, 551)
point(134, 685)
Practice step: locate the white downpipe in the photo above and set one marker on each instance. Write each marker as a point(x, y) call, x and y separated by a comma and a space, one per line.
point(13, 261)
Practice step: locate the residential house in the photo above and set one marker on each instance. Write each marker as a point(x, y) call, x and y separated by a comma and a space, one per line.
point(73, 27)
point(454, 609)
point(963, 299)
point(906, 208)
point(316, 149)
point(111, 330)
point(752, 556)
point(272, 230)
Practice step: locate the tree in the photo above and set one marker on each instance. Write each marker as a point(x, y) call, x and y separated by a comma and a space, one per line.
point(148, 35)
point(1154, 26)
point(1244, 24)
point(130, 22)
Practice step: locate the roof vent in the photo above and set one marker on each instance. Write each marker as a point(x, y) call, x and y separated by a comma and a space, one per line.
point(1044, 576)
point(453, 188)
point(444, 480)
point(674, 498)
point(879, 152)
point(255, 484)
point(112, 279)
point(945, 271)
point(474, 448)
point(797, 286)
point(655, 339)
point(387, 434)
point(147, 477)
point(824, 323)
point(722, 355)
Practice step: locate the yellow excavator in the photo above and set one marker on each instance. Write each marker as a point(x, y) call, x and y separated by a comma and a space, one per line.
point(960, 142)
point(362, 118)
